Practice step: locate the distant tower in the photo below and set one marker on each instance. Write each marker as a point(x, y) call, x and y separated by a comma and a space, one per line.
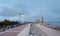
point(42, 20)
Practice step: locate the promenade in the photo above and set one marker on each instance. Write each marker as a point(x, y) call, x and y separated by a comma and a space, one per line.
point(14, 31)
point(46, 31)
point(40, 30)
point(31, 30)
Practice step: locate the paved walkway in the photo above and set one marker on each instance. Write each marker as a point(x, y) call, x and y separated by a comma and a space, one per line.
point(13, 32)
point(35, 31)
point(39, 30)
point(46, 31)
point(25, 32)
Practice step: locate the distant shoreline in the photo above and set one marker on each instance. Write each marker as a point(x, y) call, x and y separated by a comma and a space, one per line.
point(53, 27)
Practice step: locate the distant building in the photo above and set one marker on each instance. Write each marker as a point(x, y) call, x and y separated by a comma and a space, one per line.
point(37, 20)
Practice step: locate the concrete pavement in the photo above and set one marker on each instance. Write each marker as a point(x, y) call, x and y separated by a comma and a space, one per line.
point(35, 31)
point(46, 31)
point(25, 32)
point(40, 30)
point(31, 30)
point(13, 32)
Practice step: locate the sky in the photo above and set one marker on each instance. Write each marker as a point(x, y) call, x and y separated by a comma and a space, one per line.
point(50, 9)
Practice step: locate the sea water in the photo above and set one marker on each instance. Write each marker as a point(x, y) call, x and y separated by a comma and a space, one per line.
point(55, 23)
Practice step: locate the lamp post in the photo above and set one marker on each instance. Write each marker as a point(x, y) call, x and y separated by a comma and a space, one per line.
point(21, 15)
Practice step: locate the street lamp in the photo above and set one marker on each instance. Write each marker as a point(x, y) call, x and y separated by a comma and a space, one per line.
point(21, 15)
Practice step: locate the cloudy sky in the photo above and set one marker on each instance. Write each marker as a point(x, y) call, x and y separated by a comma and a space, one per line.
point(50, 9)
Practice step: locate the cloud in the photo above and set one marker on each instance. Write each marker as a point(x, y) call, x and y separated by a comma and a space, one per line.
point(31, 8)
point(8, 12)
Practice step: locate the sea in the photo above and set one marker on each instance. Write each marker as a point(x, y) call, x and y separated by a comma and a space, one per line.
point(54, 23)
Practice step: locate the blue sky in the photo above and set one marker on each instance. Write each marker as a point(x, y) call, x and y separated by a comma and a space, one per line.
point(50, 9)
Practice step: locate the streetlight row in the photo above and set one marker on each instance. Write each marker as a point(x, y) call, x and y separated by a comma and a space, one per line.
point(22, 15)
